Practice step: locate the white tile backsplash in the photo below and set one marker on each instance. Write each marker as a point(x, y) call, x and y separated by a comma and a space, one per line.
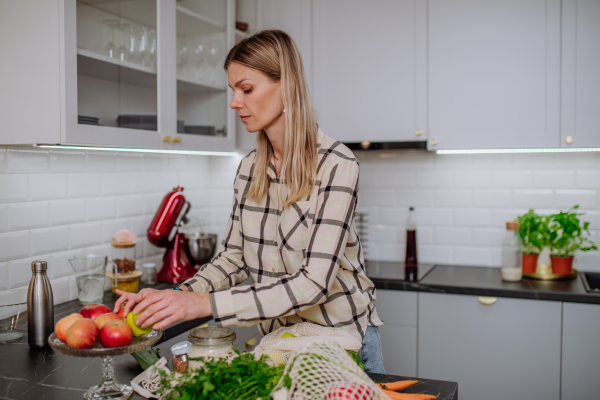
point(57, 204)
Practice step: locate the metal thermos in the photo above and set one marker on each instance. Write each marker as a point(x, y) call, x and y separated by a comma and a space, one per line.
point(40, 306)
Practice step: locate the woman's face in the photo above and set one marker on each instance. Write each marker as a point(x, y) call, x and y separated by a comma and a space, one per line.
point(256, 97)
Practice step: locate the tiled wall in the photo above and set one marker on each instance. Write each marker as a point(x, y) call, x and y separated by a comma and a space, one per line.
point(56, 204)
point(463, 201)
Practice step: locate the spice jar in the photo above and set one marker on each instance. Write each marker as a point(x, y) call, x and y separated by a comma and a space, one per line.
point(180, 359)
point(149, 277)
point(210, 343)
point(123, 255)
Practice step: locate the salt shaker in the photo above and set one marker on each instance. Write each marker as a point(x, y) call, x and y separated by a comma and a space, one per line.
point(40, 306)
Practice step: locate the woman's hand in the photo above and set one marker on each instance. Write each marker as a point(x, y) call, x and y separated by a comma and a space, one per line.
point(164, 307)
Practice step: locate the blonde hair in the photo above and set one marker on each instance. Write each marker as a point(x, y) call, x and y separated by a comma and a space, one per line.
point(274, 53)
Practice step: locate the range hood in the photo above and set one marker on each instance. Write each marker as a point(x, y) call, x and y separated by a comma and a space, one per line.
point(417, 145)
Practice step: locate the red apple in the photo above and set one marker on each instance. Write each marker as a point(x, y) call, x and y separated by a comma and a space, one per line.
point(115, 333)
point(104, 318)
point(92, 311)
point(121, 312)
point(82, 334)
point(61, 326)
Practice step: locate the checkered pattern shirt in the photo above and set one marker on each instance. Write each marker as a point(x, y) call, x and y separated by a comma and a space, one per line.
point(306, 259)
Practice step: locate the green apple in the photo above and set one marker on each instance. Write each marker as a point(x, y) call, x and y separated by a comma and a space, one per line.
point(137, 330)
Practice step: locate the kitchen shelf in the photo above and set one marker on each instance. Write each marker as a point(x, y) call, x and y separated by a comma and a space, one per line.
point(187, 23)
point(186, 85)
point(102, 67)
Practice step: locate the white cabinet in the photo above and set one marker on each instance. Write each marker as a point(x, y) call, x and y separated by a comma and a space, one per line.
point(369, 69)
point(507, 350)
point(494, 73)
point(580, 94)
point(398, 311)
point(580, 351)
point(116, 62)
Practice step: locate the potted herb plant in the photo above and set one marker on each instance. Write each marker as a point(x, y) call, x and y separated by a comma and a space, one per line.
point(566, 236)
point(533, 229)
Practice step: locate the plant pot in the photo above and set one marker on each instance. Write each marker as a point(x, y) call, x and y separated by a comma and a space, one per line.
point(561, 265)
point(530, 262)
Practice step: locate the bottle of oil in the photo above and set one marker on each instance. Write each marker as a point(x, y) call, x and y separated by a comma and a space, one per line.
point(410, 261)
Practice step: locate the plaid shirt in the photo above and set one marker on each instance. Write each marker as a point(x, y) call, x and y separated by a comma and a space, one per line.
point(306, 259)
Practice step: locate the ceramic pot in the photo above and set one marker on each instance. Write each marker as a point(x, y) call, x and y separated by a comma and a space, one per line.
point(530, 262)
point(561, 265)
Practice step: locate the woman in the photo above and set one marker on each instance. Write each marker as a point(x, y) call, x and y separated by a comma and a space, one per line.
point(292, 225)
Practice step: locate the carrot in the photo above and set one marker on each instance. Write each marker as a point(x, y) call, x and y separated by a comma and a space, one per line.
point(397, 385)
point(408, 396)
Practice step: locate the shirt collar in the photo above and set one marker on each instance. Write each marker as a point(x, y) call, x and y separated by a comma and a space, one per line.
point(271, 171)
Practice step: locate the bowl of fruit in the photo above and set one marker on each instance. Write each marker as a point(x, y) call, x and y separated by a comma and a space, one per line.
point(98, 332)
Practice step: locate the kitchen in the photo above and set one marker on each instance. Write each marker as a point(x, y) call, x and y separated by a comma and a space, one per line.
point(511, 87)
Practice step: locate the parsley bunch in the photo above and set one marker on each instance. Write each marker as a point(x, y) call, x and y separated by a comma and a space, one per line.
point(244, 379)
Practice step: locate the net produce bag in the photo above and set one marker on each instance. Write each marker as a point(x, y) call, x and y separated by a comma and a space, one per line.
point(322, 369)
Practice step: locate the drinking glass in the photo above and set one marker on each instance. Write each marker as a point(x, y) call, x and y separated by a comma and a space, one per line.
point(142, 50)
point(152, 48)
point(134, 56)
point(199, 57)
point(90, 271)
point(110, 49)
point(122, 50)
point(183, 56)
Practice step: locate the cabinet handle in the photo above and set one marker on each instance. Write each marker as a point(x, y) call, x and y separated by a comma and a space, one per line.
point(167, 139)
point(419, 132)
point(487, 301)
point(177, 139)
point(433, 142)
point(569, 139)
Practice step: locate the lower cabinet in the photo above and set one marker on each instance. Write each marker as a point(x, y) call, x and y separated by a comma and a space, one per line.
point(398, 311)
point(507, 350)
point(581, 351)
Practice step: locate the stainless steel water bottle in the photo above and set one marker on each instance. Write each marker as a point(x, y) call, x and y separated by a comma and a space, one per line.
point(40, 306)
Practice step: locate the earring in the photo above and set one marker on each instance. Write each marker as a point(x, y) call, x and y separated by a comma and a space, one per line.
point(284, 110)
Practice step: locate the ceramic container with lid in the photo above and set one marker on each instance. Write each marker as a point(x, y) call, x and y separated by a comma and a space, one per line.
point(211, 343)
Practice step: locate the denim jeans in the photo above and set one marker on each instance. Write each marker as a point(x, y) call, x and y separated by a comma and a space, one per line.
point(370, 353)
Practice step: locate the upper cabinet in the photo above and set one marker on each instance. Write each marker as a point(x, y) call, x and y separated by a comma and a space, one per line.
point(369, 69)
point(580, 119)
point(135, 73)
point(494, 73)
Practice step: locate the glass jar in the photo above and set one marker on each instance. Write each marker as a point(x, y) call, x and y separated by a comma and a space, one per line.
point(123, 255)
point(512, 253)
point(211, 343)
point(149, 277)
point(180, 356)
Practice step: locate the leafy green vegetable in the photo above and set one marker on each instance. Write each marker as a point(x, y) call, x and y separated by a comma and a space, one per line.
point(566, 234)
point(356, 359)
point(244, 379)
point(147, 357)
point(533, 229)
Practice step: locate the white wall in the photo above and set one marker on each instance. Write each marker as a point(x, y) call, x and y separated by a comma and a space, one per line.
point(55, 204)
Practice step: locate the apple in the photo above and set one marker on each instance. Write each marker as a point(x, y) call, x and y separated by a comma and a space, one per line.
point(82, 334)
point(115, 333)
point(137, 330)
point(121, 312)
point(92, 311)
point(61, 326)
point(104, 318)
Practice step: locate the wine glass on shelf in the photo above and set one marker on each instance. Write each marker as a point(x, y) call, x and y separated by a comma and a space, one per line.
point(213, 53)
point(198, 56)
point(142, 50)
point(110, 49)
point(133, 46)
point(183, 56)
point(122, 50)
point(152, 48)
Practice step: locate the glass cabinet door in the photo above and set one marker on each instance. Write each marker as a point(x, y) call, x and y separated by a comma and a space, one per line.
point(202, 101)
point(117, 52)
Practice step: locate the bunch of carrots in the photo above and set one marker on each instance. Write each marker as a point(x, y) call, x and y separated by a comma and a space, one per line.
point(390, 390)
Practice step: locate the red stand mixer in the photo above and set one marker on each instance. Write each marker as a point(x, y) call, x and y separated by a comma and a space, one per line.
point(164, 232)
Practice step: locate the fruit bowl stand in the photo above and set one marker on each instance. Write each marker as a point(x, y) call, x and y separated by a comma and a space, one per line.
point(109, 388)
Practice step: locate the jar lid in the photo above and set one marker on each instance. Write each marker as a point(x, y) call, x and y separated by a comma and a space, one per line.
point(512, 225)
point(211, 336)
point(180, 348)
point(149, 265)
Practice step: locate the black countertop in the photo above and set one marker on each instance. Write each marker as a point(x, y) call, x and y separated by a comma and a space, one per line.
point(27, 374)
point(479, 281)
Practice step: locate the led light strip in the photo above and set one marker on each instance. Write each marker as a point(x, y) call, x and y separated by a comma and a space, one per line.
point(129, 150)
point(518, 151)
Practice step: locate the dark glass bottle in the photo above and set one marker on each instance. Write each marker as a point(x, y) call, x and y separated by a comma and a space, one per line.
point(410, 262)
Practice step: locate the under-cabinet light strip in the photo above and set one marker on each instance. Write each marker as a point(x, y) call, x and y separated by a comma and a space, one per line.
point(130, 150)
point(517, 151)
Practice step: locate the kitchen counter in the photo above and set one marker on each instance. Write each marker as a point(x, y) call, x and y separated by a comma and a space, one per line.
point(28, 374)
point(480, 281)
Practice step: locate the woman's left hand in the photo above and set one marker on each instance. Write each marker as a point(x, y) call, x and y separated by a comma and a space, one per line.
point(165, 307)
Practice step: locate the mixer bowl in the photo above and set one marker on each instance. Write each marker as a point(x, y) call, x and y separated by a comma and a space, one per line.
point(201, 248)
